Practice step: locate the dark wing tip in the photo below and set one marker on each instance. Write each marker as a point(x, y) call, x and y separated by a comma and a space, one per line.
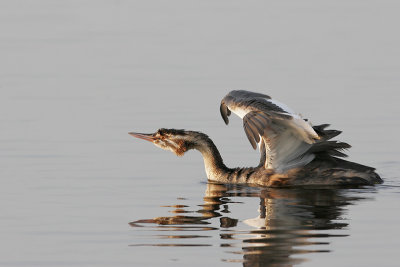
point(251, 137)
point(252, 129)
point(225, 112)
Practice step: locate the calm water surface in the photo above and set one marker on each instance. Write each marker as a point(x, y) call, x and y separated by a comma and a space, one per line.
point(77, 76)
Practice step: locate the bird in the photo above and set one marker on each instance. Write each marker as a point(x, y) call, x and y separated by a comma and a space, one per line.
point(293, 152)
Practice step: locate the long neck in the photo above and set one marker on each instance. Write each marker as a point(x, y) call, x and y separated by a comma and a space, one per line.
point(215, 167)
point(213, 163)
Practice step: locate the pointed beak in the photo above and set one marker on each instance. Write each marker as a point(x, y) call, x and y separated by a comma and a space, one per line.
point(147, 137)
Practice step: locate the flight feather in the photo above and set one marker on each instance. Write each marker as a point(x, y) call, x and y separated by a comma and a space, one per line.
point(285, 139)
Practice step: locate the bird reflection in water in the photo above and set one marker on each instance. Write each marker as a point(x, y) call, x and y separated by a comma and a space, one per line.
point(289, 221)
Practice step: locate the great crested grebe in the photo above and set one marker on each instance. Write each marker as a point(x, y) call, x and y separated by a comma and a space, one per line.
point(293, 153)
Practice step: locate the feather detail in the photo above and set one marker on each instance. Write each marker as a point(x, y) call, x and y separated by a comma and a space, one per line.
point(285, 139)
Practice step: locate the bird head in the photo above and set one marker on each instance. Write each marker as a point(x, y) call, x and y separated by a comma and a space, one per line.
point(177, 141)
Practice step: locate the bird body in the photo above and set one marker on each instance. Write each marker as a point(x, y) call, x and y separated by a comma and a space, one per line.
point(293, 152)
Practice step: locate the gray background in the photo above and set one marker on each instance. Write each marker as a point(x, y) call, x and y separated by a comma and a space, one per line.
point(76, 76)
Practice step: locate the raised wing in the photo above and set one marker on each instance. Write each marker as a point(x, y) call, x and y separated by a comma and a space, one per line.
point(286, 136)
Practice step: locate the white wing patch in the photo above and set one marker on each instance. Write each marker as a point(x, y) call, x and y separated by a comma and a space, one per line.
point(303, 128)
point(282, 106)
point(241, 112)
point(286, 135)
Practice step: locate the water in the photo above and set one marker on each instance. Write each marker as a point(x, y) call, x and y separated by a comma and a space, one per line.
point(76, 76)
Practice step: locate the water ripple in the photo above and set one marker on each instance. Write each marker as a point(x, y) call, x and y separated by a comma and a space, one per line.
point(289, 222)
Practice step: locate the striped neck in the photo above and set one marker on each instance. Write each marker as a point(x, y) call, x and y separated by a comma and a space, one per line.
point(213, 163)
point(215, 168)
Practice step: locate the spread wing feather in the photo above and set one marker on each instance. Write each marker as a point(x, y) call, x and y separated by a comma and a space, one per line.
point(285, 139)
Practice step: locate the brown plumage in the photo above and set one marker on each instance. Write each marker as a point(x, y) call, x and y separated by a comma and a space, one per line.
point(293, 153)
